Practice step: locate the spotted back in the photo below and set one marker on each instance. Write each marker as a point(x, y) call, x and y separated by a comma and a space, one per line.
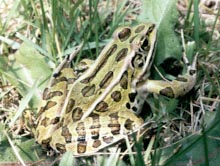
point(97, 104)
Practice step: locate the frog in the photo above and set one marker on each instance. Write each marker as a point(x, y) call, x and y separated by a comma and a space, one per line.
point(97, 103)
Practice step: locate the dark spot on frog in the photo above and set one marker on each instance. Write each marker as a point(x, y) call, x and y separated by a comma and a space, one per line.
point(121, 54)
point(55, 120)
point(134, 109)
point(81, 147)
point(132, 96)
point(102, 106)
point(50, 104)
point(70, 106)
point(128, 105)
point(106, 80)
point(128, 124)
point(88, 90)
point(66, 133)
point(96, 143)
point(168, 91)
point(60, 147)
point(77, 114)
point(139, 28)
point(124, 80)
point(116, 96)
point(124, 34)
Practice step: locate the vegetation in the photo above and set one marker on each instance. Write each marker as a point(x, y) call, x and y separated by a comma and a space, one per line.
point(37, 35)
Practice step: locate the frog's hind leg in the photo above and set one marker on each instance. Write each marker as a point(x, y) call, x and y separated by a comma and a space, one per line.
point(94, 133)
point(178, 87)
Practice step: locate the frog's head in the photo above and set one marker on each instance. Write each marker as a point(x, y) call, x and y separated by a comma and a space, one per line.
point(142, 41)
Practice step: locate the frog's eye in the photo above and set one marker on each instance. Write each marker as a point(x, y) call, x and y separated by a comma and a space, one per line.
point(137, 61)
point(123, 34)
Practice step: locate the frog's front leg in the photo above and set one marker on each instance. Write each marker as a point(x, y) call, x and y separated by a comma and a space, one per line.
point(178, 87)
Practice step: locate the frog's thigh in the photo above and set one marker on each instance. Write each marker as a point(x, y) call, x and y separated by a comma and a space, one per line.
point(178, 87)
point(173, 89)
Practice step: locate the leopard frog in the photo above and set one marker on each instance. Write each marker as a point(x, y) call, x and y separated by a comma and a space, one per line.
point(96, 104)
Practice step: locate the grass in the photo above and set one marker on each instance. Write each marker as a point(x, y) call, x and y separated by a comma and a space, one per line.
point(189, 130)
